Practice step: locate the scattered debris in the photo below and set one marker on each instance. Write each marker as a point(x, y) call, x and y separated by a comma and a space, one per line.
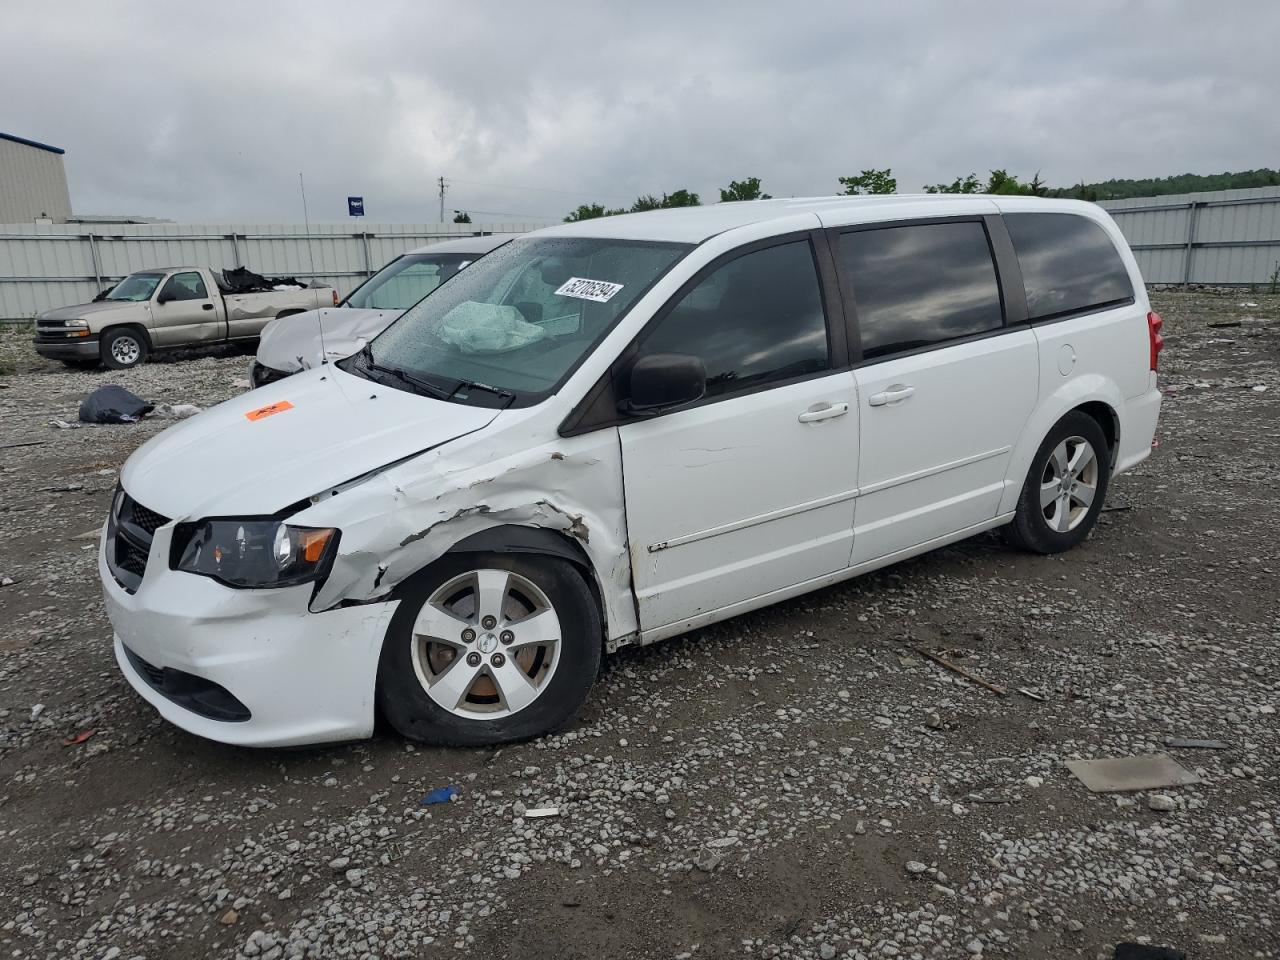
point(64, 425)
point(707, 859)
point(1183, 743)
point(993, 796)
point(1259, 388)
point(63, 488)
point(956, 668)
point(113, 404)
point(1121, 774)
point(36, 711)
point(7, 581)
point(1161, 802)
point(538, 812)
point(79, 738)
point(916, 867)
point(1030, 694)
point(23, 443)
point(440, 795)
point(175, 411)
point(1118, 508)
point(228, 918)
point(1223, 323)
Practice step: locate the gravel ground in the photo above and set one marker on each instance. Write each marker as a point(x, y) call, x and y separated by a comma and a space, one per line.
point(798, 782)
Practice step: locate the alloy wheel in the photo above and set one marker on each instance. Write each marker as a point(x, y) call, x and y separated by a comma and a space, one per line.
point(486, 644)
point(1069, 484)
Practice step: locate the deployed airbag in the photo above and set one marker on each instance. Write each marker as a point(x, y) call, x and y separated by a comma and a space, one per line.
point(487, 328)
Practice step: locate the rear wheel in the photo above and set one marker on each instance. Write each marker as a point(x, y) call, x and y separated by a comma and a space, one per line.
point(122, 348)
point(489, 648)
point(1065, 487)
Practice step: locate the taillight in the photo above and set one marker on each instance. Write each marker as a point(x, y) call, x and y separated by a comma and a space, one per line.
point(335, 298)
point(1154, 326)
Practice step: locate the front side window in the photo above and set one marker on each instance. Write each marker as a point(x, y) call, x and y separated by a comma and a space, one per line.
point(185, 286)
point(136, 287)
point(406, 280)
point(755, 320)
point(518, 320)
point(921, 284)
point(1069, 264)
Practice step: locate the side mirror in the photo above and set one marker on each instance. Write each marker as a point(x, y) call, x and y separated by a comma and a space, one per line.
point(661, 381)
point(164, 297)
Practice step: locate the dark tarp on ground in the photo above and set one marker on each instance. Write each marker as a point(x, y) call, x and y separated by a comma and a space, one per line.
point(112, 404)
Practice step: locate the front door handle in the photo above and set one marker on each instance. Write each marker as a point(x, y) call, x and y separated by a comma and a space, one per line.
point(207, 306)
point(895, 394)
point(823, 411)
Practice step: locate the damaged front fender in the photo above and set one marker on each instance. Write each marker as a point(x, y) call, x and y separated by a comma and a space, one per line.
point(398, 521)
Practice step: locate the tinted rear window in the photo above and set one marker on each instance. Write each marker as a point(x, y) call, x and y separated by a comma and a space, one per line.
point(1069, 263)
point(921, 284)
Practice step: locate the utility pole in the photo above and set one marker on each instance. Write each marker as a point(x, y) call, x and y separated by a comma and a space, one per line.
point(442, 189)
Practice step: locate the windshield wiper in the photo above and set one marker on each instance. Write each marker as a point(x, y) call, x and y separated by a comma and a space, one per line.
point(477, 385)
point(403, 376)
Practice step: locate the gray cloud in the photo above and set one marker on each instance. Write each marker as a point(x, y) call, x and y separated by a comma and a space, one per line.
point(208, 112)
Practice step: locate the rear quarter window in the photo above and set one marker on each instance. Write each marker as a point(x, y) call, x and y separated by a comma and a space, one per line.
point(1069, 264)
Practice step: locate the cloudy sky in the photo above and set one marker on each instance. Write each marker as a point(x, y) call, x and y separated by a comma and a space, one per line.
point(208, 112)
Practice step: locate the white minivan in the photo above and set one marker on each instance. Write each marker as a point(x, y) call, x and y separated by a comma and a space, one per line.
point(610, 432)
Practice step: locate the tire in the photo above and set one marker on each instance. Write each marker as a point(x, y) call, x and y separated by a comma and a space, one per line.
point(1076, 487)
point(122, 348)
point(82, 364)
point(499, 686)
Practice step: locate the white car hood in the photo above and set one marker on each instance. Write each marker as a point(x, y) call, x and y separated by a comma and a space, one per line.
point(293, 343)
point(241, 459)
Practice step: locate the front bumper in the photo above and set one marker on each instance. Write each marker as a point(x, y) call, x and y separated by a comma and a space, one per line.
point(67, 348)
point(301, 677)
point(260, 374)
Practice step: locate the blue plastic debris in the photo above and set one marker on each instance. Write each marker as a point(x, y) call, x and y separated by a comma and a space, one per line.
point(440, 795)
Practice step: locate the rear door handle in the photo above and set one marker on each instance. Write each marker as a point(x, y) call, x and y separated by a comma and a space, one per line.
point(895, 394)
point(823, 411)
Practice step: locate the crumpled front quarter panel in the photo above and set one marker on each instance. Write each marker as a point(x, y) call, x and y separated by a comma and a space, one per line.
point(400, 520)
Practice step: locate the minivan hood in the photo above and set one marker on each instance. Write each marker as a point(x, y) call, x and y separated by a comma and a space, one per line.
point(81, 310)
point(241, 459)
point(293, 343)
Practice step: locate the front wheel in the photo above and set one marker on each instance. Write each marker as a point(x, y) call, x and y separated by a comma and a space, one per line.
point(489, 648)
point(122, 348)
point(1065, 487)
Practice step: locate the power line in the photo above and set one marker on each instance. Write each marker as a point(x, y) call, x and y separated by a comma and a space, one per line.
point(567, 193)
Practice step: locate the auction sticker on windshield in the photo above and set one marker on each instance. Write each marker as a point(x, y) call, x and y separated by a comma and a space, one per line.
point(271, 409)
point(601, 291)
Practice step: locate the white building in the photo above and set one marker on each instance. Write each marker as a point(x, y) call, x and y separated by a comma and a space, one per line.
point(33, 182)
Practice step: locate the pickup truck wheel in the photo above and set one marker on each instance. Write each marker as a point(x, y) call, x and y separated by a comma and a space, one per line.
point(1065, 487)
point(489, 648)
point(122, 348)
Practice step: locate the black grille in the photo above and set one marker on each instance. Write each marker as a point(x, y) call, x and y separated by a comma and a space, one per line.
point(131, 533)
point(187, 690)
point(148, 520)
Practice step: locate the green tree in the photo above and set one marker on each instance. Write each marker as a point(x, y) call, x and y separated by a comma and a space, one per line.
point(590, 211)
point(646, 202)
point(748, 189)
point(969, 184)
point(680, 198)
point(870, 181)
point(461, 216)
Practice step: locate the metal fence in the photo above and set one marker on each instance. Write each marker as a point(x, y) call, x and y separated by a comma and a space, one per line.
point(1228, 237)
point(45, 266)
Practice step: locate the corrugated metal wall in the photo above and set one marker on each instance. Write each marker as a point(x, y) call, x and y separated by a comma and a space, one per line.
point(51, 266)
point(1223, 237)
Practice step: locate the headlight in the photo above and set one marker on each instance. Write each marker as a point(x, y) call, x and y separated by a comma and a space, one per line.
point(254, 553)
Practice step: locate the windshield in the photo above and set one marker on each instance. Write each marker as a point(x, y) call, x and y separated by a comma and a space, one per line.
point(405, 281)
point(519, 320)
point(136, 286)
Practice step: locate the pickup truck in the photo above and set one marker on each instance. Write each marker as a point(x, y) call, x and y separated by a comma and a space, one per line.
point(171, 307)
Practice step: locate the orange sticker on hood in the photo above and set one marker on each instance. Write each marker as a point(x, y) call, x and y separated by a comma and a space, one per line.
point(269, 410)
